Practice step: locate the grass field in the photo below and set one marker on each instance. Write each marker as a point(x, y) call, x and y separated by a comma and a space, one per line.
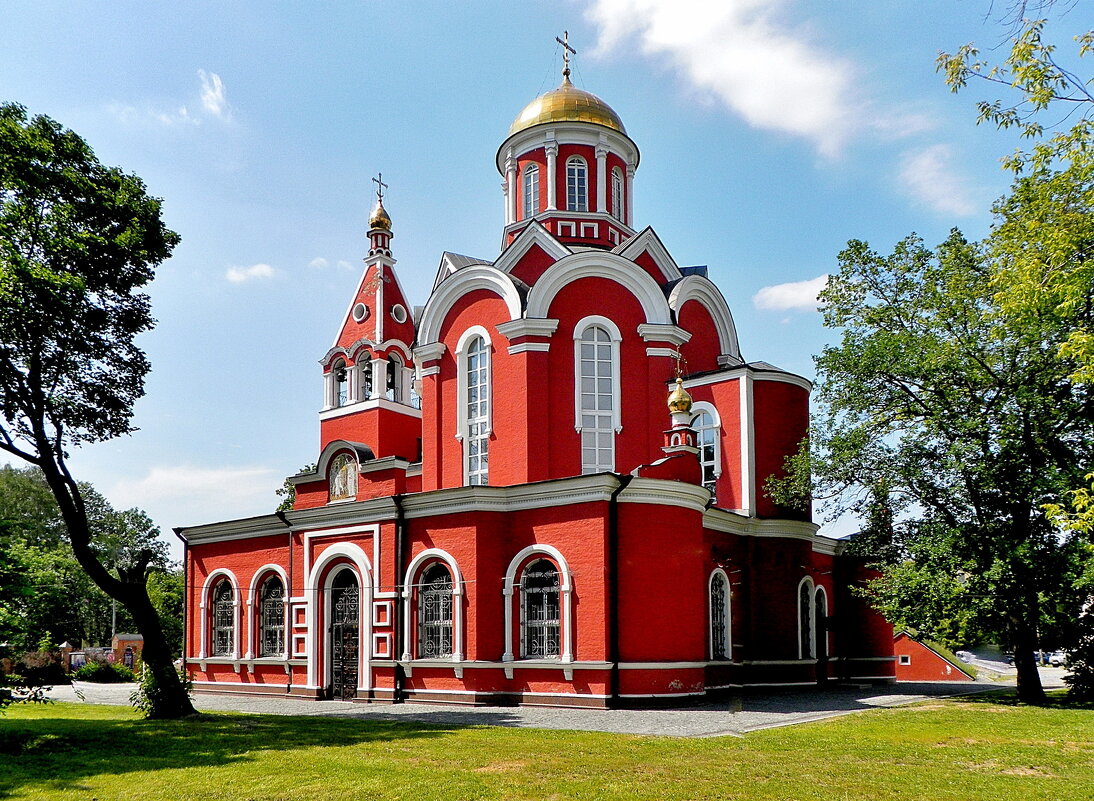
point(973, 750)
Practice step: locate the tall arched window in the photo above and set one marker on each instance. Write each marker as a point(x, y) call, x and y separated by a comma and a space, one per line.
point(597, 397)
point(720, 647)
point(271, 617)
point(617, 194)
point(540, 611)
point(577, 185)
point(806, 642)
point(224, 619)
point(435, 612)
point(474, 356)
point(341, 384)
point(707, 432)
point(343, 477)
point(530, 189)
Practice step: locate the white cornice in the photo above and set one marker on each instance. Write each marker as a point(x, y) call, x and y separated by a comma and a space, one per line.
point(527, 327)
point(734, 373)
point(428, 353)
point(373, 403)
point(654, 332)
point(666, 493)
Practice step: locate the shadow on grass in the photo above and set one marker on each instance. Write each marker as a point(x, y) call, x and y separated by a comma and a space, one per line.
point(1056, 699)
point(54, 754)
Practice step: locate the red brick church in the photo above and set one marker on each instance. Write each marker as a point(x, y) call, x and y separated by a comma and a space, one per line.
point(546, 486)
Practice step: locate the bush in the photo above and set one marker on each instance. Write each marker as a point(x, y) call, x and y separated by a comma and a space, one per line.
point(41, 668)
point(104, 673)
point(1080, 664)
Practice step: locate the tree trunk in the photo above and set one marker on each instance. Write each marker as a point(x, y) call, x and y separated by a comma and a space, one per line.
point(170, 700)
point(1030, 690)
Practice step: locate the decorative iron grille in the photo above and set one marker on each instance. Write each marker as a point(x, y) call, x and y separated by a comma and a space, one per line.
point(272, 619)
point(345, 636)
point(718, 620)
point(805, 613)
point(224, 619)
point(435, 622)
point(541, 626)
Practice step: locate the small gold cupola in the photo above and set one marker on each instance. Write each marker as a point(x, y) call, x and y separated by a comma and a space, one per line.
point(379, 222)
point(679, 399)
point(379, 219)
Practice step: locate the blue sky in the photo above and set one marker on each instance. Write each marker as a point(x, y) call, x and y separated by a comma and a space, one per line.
point(771, 131)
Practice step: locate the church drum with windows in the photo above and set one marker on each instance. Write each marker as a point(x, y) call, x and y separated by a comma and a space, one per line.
point(504, 509)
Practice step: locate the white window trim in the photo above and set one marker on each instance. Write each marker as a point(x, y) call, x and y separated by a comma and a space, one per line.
point(211, 581)
point(511, 593)
point(460, 355)
point(585, 166)
point(616, 338)
point(528, 210)
point(617, 182)
point(254, 613)
point(318, 597)
point(697, 409)
point(719, 574)
point(417, 565)
point(808, 582)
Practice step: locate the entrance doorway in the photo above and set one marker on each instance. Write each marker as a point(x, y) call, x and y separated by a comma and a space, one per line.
point(345, 635)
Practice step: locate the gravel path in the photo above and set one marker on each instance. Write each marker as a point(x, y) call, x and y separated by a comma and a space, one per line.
point(749, 712)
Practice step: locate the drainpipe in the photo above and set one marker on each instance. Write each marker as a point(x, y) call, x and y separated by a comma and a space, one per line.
point(400, 555)
point(288, 602)
point(613, 587)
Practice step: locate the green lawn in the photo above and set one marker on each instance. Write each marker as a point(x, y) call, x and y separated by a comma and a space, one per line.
point(973, 750)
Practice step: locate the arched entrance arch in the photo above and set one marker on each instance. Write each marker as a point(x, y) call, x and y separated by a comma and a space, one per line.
point(339, 629)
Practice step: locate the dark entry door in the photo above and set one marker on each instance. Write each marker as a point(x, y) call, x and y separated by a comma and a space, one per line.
point(820, 626)
point(345, 635)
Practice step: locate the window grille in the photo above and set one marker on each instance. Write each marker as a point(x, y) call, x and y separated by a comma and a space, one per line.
point(531, 190)
point(477, 411)
point(805, 613)
point(719, 619)
point(344, 635)
point(224, 619)
point(272, 618)
point(576, 185)
point(597, 399)
point(435, 613)
point(541, 626)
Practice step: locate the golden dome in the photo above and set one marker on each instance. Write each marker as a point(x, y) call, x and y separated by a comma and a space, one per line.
point(567, 103)
point(679, 399)
point(379, 217)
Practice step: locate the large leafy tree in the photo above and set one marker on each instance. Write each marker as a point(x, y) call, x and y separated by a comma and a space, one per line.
point(949, 424)
point(78, 241)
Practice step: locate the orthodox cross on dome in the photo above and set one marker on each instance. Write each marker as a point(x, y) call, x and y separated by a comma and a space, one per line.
point(380, 186)
point(680, 361)
point(566, 50)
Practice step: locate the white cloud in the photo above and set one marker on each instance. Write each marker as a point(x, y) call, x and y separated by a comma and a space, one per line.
point(929, 177)
point(212, 94)
point(794, 295)
point(749, 57)
point(319, 263)
point(256, 272)
point(344, 265)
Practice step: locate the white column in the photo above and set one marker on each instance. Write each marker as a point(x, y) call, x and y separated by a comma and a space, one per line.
point(601, 178)
point(511, 192)
point(628, 199)
point(748, 448)
point(379, 377)
point(505, 195)
point(552, 183)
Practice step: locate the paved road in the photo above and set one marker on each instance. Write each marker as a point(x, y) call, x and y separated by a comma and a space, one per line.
point(750, 712)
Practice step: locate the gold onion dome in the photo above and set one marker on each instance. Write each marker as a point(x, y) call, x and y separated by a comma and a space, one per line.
point(379, 217)
point(567, 103)
point(679, 399)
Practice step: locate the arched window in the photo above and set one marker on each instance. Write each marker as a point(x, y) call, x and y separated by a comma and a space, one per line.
point(530, 188)
point(435, 612)
point(224, 619)
point(577, 185)
point(720, 647)
point(540, 611)
point(597, 396)
point(340, 376)
point(343, 477)
point(806, 642)
point(707, 432)
point(271, 617)
point(476, 410)
point(394, 379)
point(820, 616)
point(617, 194)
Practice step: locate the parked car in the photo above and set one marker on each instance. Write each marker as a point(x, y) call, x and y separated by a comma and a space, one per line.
point(965, 656)
point(1058, 658)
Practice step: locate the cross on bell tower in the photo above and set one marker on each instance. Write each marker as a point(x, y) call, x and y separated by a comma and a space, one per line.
point(379, 222)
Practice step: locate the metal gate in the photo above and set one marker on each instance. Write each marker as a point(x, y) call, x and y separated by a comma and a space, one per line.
point(345, 635)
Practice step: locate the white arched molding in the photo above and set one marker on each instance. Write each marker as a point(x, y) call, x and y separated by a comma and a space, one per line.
point(703, 291)
point(823, 593)
point(395, 344)
point(318, 599)
point(727, 633)
point(617, 338)
point(254, 613)
point(565, 590)
point(461, 388)
point(417, 564)
point(206, 612)
point(599, 264)
point(454, 287)
point(806, 582)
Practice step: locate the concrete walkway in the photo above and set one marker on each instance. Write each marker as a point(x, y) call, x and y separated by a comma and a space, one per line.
point(750, 712)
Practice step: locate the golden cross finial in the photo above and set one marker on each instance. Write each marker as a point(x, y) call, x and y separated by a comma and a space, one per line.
point(380, 186)
point(566, 50)
point(679, 359)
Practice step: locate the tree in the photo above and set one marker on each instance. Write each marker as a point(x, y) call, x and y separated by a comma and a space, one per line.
point(950, 424)
point(78, 240)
